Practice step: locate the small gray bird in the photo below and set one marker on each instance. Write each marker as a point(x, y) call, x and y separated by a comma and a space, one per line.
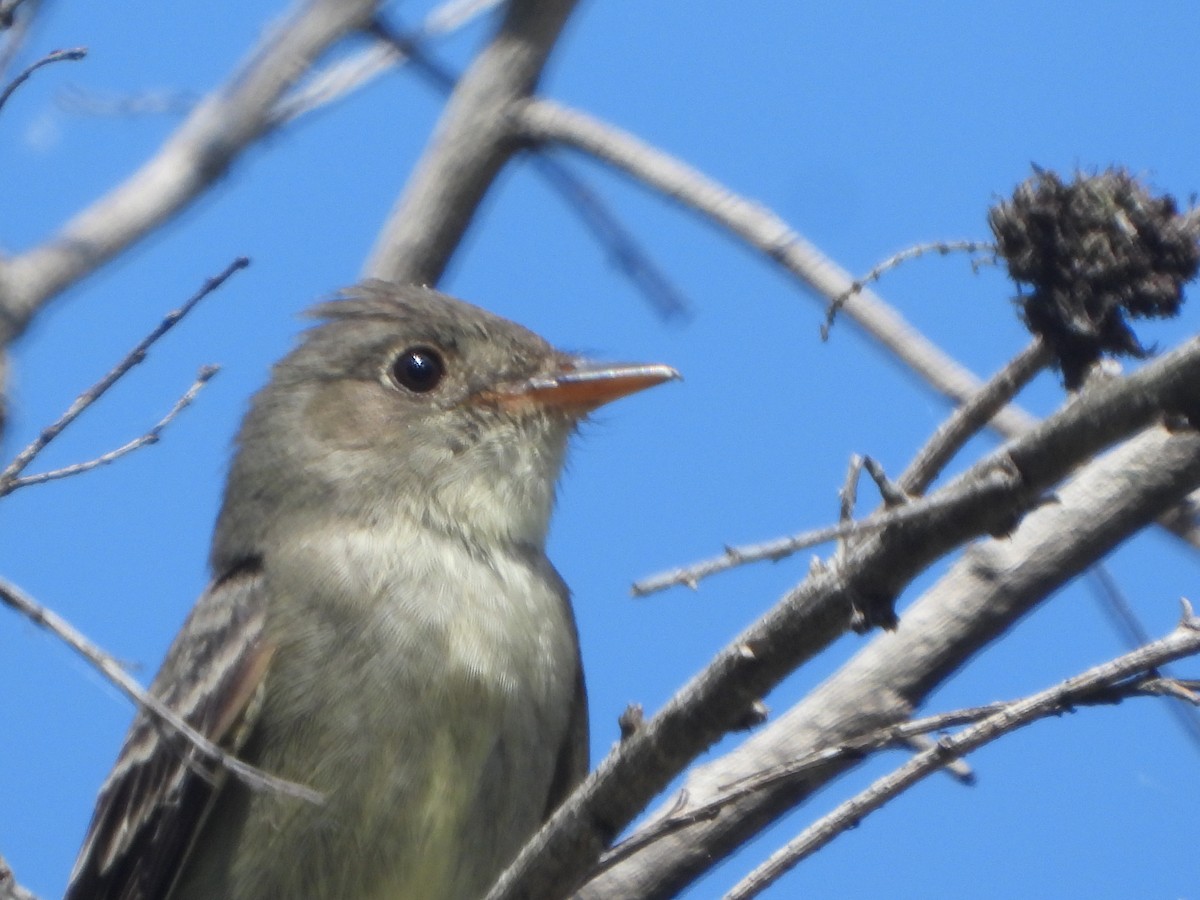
point(382, 625)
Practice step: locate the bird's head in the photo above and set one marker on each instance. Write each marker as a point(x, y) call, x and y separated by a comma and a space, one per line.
point(407, 403)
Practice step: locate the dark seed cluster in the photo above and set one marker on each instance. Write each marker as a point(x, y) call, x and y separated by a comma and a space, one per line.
point(1090, 254)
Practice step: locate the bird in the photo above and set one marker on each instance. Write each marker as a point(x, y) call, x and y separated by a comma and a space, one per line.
point(381, 627)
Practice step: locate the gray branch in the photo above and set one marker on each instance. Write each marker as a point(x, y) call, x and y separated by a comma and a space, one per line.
point(991, 497)
point(197, 155)
point(977, 601)
point(545, 121)
point(1113, 680)
point(475, 137)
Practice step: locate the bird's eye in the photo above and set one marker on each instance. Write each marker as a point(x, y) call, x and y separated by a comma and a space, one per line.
point(420, 369)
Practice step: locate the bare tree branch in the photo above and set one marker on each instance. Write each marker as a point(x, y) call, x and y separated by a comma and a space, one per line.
point(622, 249)
point(1121, 614)
point(475, 138)
point(968, 419)
point(853, 751)
point(1105, 680)
point(74, 53)
point(545, 121)
point(454, 14)
point(490, 115)
point(978, 600)
point(973, 416)
point(14, 597)
point(150, 437)
point(193, 158)
point(79, 101)
point(8, 11)
point(848, 751)
point(8, 476)
point(608, 230)
point(359, 69)
point(943, 248)
point(992, 495)
point(780, 548)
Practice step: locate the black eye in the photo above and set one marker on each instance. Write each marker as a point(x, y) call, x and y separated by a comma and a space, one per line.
point(420, 369)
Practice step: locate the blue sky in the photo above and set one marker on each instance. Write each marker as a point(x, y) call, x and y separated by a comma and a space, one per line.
point(868, 126)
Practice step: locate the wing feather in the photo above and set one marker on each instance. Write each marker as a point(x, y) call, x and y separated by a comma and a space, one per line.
point(154, 801)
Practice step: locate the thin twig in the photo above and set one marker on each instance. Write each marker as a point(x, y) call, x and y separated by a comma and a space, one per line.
point(547, 121)
point(356, 71)
point(909, 253)
point(198, 153)
point(848, 496)
point(816, 612)
point(1114, 603)
point(779, 548)
point(888, 737)
point(80, 101)
point(326, 87)
point(805, 765)
point(893, 735)
point(131, 359)
point(1104, 680)
point(972, 416)
point(454, 14)
point(150, 437)
point(891, 493)
point(623, 249)
point(73, 53)
point(983, 594)
point(335, 83)
point(958, 769)
point(950, 436)
point(112, 670)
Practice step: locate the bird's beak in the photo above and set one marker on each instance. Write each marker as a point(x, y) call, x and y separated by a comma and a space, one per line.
point(580, 386)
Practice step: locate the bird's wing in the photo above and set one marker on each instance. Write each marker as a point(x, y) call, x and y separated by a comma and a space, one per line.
point(153, 804)
point(572, 764)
